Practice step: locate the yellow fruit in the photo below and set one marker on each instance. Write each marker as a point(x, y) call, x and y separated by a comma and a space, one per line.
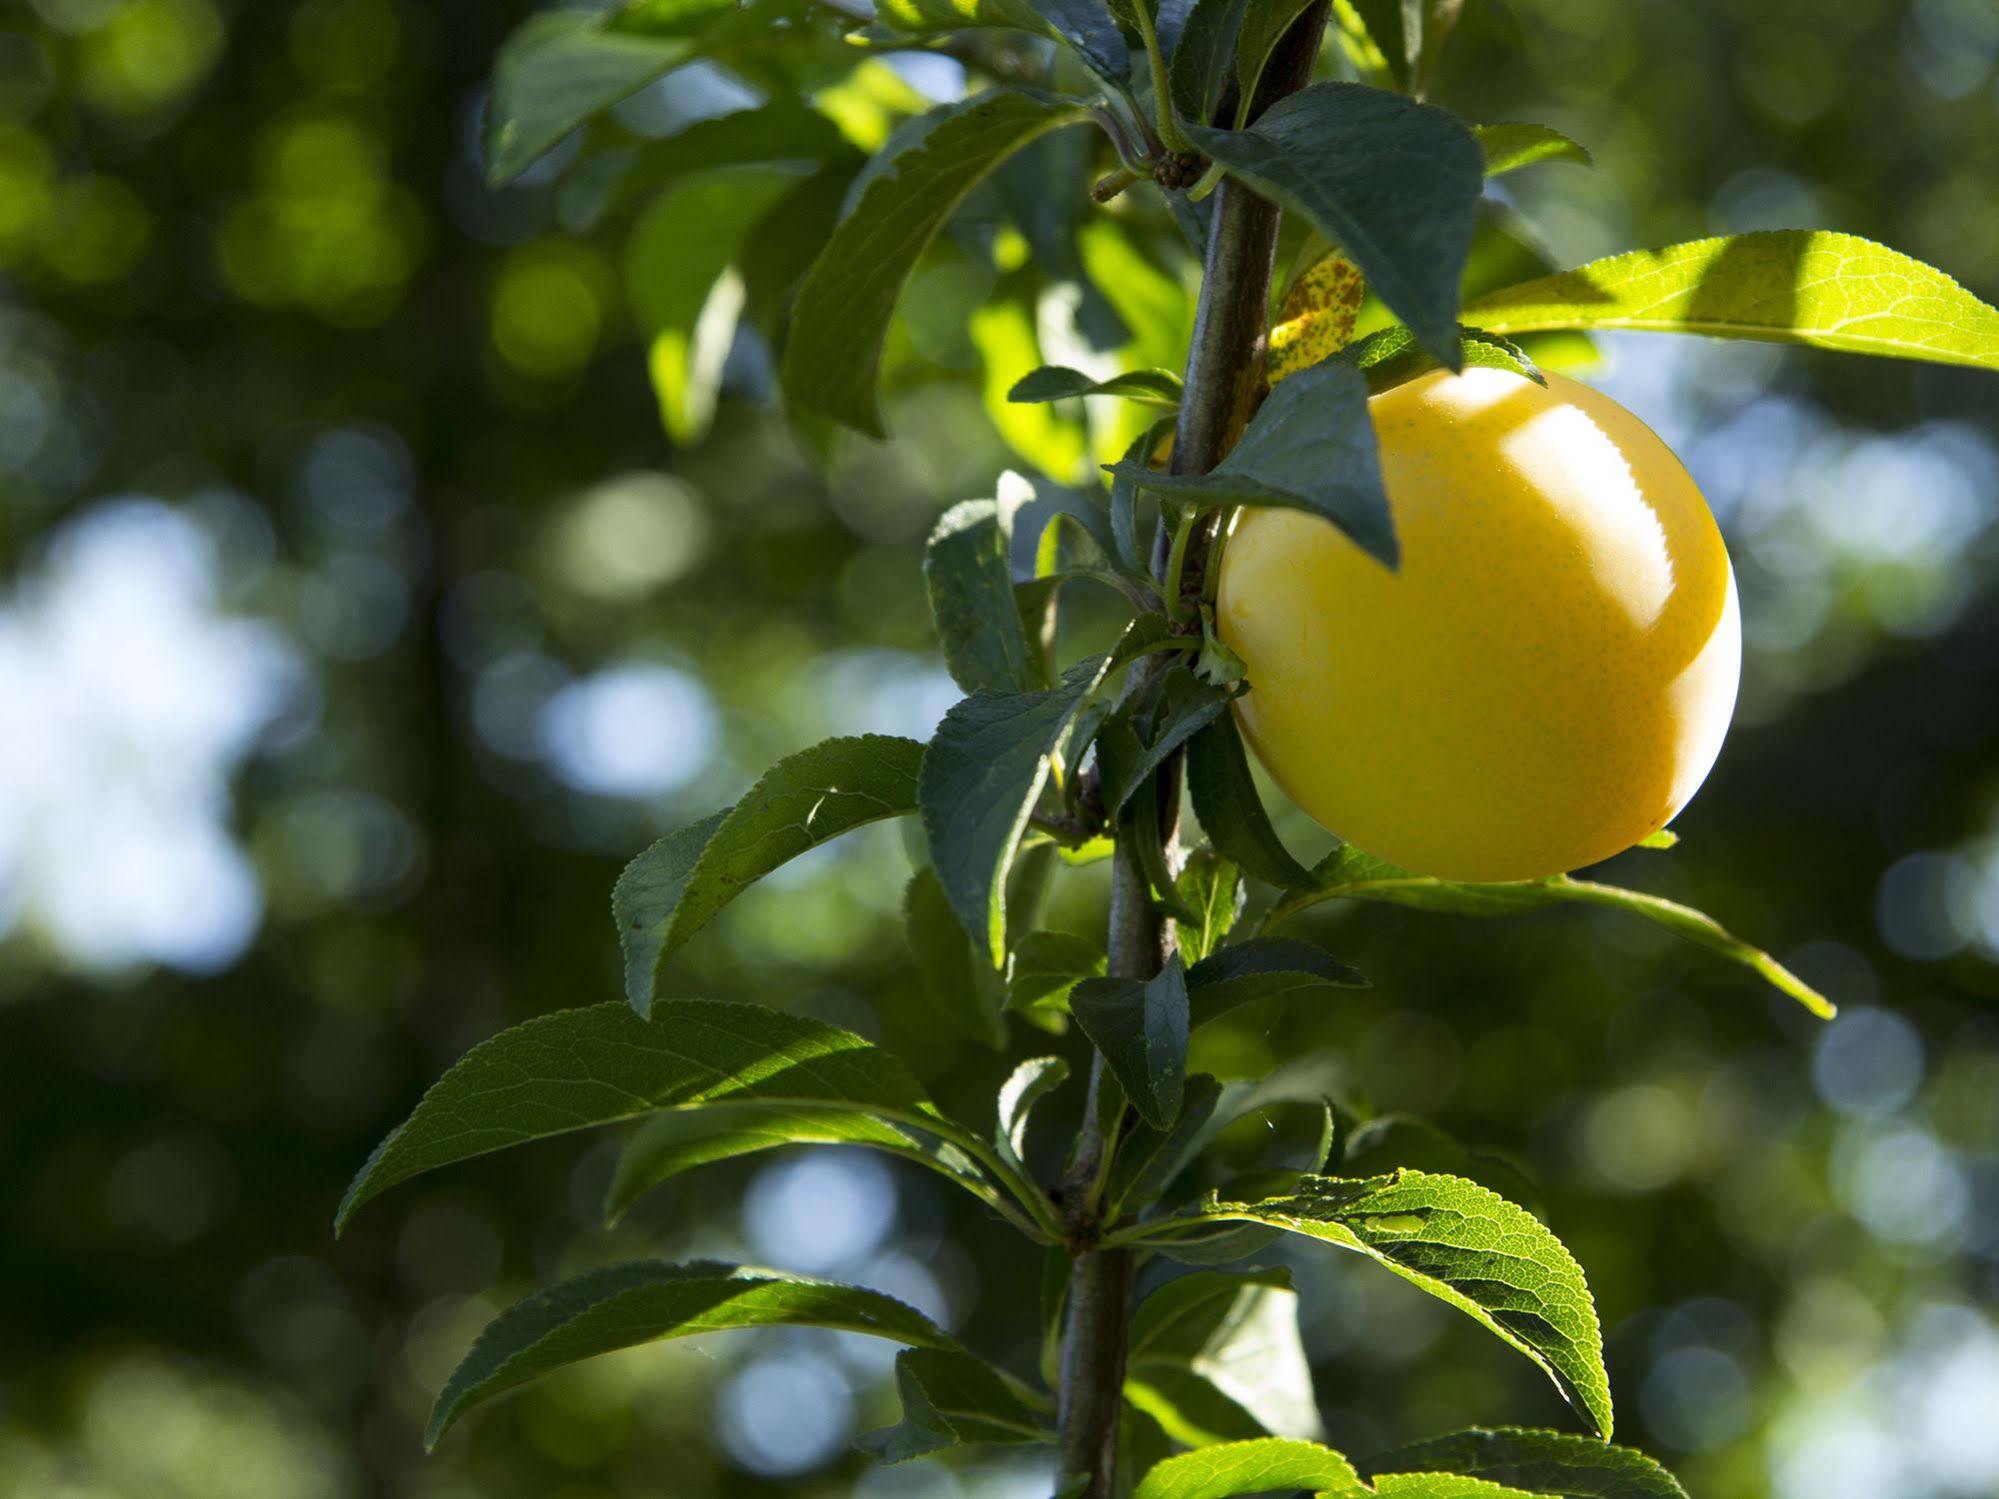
point(1548, 676)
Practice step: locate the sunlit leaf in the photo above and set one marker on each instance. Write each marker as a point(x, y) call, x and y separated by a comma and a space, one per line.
point(1216, 1357)
point(1027, 1085)
point(1510, 147)
point(626, 1305)
point(674, 888)
point(1394, 183)
point(1800, 286)
point(1465, 1245)
point(1542, 1462)
point(1265, 1465)
point(1210, 887)
point(841, 317)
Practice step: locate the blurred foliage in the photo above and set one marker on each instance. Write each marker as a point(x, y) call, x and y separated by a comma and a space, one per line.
point(325, 750)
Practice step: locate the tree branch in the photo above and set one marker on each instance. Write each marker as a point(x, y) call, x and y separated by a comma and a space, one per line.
point(1223, 382)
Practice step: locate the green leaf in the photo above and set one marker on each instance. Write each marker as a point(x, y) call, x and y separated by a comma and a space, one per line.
point(579, 1068)
point(1799, 286)
point(1543, 1462)
point(840, 320)
point(1126, 478)
point(684, 294)
point(1264, 23)
point(783, 131)
point(1031, 1081)
point(623, 1306)
point(966, 565)
point(1056, 382)
point(1254, 1467)
point(1149, 1159)
point(1388, 1142)
point(1395, 183)
point(1309, 447)
point(644, 899)
point(562, 66)
point(1044, 966)
point(1210, 887)
point(950, 1399)
point(956, 979)
point(1216, 1357)
point(980, 778)
point(674, 888)
point(1178, 707)
point(1230, 811)
point(1201, 63)
point(1392, 356)
point(1348, 873)
point(1510, 147)
point(1141, 1028)
point(671, 1143)
point(1468, 1247)
point(1263, 968)
point(1085, 25)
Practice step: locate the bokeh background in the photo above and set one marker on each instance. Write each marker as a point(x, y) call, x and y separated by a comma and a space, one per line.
point(357, 620)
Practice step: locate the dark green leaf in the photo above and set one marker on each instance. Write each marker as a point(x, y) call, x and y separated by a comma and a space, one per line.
point(1141, 1028)
point(1216, 1357)
point(1086, 25)
point(1230, 811)
point(671, 1143)
point(1149, 1159)
point(1044, 966)
point(626, 1305)
point(978, 787)
point(1055, 382)
point(579, 1068)
point(957, 980)
point(1348, 873)
point(1263, 968)
point(1210, 887)
point(950, 1399)
point(1395, 183)
point(1202, 61)
point(1543, 1462)
point(1509, 147)
point(1179, 708)
point(1264, 22)
point(674, 888)
point(967, 565)
point(645, 897)
point(841, 317)
point(1126, 478)
point(1468, 1247)
point(1800, 286)
point(1266, 1465)
point(1309, 447)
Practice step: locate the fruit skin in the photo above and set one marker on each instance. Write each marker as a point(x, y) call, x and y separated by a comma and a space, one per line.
point(1548, 676)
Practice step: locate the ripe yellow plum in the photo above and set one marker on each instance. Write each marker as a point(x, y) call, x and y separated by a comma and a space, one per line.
point(1547, 677)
